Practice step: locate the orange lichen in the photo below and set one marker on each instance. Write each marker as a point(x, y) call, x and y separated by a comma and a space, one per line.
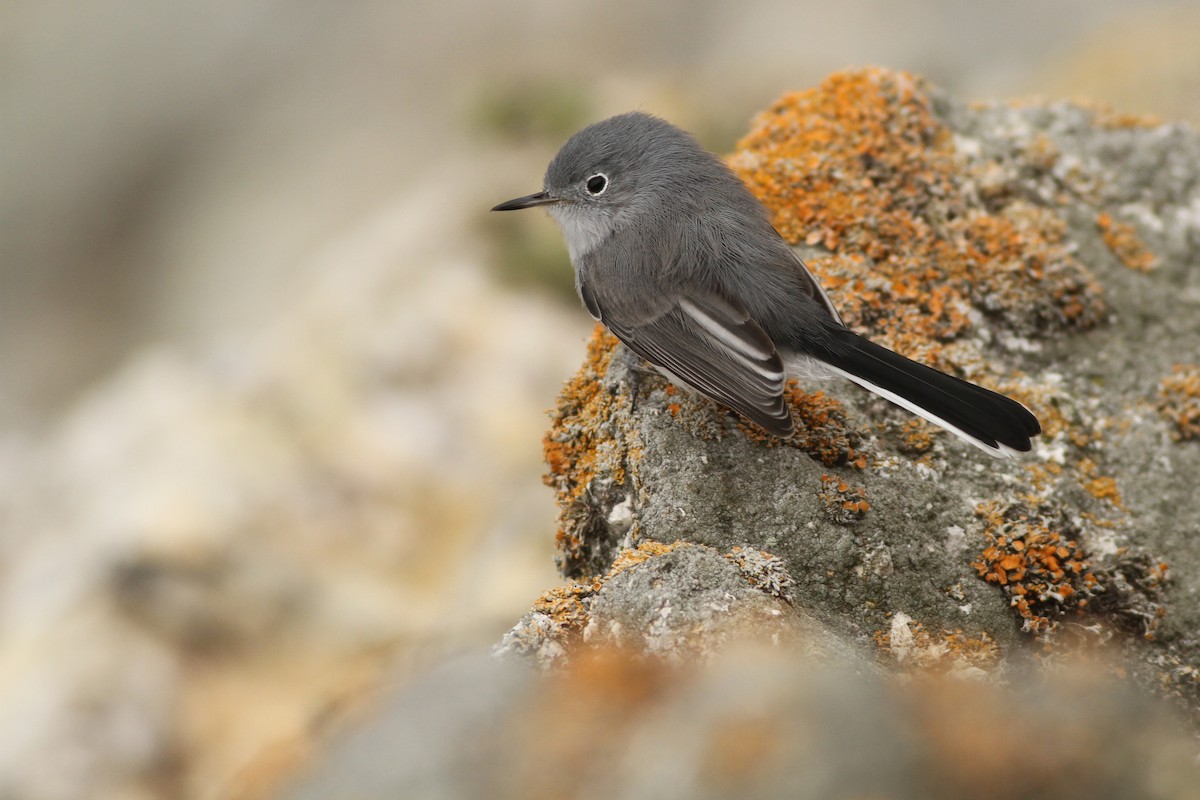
point(862, 167)
point(1123, 241)
point(570, 458)
point(916, 437)
point(579, 446)
point(1044, 572)
point(823, 429)
point(1179, 400)
point(1102, 487)
point(844, 504)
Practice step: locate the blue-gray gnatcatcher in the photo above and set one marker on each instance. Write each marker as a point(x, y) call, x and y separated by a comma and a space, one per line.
point(676, 257)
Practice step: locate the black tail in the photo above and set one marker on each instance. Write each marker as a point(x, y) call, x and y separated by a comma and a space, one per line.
point(990, 421)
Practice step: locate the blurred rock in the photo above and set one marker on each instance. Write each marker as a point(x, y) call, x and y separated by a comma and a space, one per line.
point(215, 550)
point(754, 723)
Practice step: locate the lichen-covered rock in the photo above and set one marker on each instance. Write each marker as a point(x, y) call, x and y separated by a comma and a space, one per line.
point(1051, 252)
point(681, 602)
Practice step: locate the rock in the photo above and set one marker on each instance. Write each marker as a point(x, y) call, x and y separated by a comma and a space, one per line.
point(873, 608)
point(1047, 251)
point(675, 602)
point(755, 721)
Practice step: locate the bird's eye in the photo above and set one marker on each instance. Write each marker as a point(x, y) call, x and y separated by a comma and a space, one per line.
point(597, 184)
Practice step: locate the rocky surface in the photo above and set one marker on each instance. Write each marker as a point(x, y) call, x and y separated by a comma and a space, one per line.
point(216, 554)
point(754, 723)
point(1048, 251)
point(874, 608)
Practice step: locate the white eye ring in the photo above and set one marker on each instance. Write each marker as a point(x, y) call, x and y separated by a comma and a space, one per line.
point(603, 184)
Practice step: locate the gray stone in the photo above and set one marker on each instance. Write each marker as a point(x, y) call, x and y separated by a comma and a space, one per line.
point(1062, 246)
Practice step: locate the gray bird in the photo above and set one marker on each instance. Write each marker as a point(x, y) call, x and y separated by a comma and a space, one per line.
point(675, 256)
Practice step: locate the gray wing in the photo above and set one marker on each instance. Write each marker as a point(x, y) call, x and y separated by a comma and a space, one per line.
point(711, 344)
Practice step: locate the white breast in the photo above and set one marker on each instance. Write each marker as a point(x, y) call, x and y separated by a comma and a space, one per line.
point(583, 232)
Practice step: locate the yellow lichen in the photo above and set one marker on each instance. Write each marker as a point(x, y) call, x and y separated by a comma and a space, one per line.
point(631, 557)
point(564, 605)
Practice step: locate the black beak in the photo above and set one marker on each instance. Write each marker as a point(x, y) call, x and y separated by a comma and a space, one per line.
point(528, 201)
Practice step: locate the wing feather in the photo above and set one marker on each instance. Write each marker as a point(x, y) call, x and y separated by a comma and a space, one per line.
point(711, 344)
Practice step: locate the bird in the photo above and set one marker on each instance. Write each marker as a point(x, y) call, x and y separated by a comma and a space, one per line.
point(676, 257)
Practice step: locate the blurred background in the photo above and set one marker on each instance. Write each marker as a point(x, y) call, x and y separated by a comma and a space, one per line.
point(272, 381)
